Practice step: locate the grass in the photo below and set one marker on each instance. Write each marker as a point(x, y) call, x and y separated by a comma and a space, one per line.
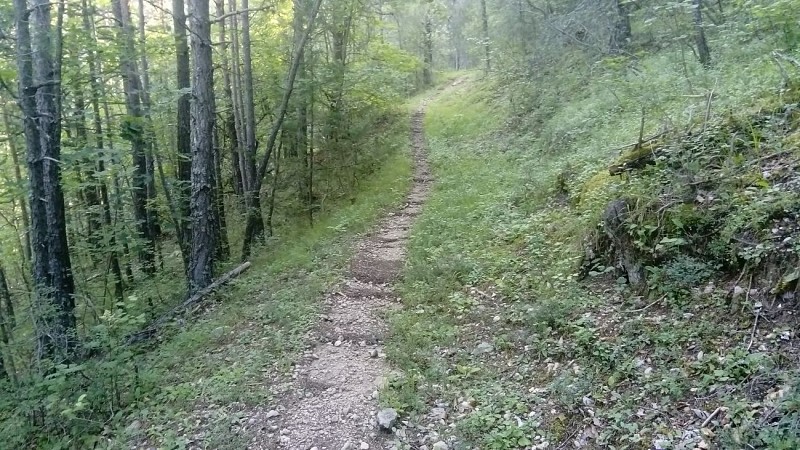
point(493, 260)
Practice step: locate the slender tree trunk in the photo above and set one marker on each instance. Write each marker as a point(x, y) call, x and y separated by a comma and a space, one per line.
point(254, 230)
point(118, 202)
point(12, 147)
point(183, 143)
point(97, 92)
point(89, 191)
point(703, 53)
point(297, 57)
point(275, 181)
point(238, 100)
point(621, 33)
point(52, 270)
point(223, 250)
point(487, 50)
point(231, 132)
point(427, 57)
point(150, 138)
point(202, 130)
point(6, 325)
point(133, 130)
point(6, 303)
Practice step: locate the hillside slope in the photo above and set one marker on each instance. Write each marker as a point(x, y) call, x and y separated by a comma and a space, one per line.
point(550, 304)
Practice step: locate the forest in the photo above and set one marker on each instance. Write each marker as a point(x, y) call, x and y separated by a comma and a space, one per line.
point(546, 223)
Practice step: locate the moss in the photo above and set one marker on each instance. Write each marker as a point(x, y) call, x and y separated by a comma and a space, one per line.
point(594, 185)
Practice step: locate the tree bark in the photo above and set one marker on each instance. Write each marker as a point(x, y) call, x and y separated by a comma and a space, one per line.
point(183, 143)
point(703, 52)
point(254, 230)
point(202, 130)
point(54, 303)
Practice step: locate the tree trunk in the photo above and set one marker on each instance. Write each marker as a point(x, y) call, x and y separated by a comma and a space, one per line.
point(486, 45)
point(54, 304)
point(150, 139)
point(703, 53)
point(202, 129)
point(254, 231)
point(230, 117)
point(12, 147)
point(6, 324)
point(183, 143)
point(223, 250)
point(6, 303)
point(133, 130)
point(297, 57)
point(427, 57)
point(621, 33)
point(89, 191)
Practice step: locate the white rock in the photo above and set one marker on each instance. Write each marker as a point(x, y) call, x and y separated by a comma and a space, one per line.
point(438, 414)
point(387, 418)
point(364, 446)
point(440, 446)
point(272, 413)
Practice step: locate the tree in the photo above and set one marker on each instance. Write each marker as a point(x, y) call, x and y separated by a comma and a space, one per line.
point(254, 230)
point(133, 129)
point(38, 94)
point(486, 44)
point(703, 53)
point(621, 34)
point(280, 115)
point(182, 132)
point(202, 131)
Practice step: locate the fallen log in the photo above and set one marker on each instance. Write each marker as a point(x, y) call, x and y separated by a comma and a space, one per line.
point(150, 331)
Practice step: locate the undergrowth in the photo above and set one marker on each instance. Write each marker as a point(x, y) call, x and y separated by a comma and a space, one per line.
point(501, 328)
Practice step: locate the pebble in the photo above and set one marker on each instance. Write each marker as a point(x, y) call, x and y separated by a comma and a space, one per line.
point(364, 446)
point(272, 413)
point(438, 414)
point(440, 446)
point(387, 418)
point(483, 347)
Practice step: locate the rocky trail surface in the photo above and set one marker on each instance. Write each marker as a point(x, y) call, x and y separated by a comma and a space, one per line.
point(331, 402)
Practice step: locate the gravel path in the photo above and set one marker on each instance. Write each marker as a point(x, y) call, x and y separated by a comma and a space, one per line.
point(331, 401)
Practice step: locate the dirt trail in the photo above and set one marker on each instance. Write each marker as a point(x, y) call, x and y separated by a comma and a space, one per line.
point(331, 401)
